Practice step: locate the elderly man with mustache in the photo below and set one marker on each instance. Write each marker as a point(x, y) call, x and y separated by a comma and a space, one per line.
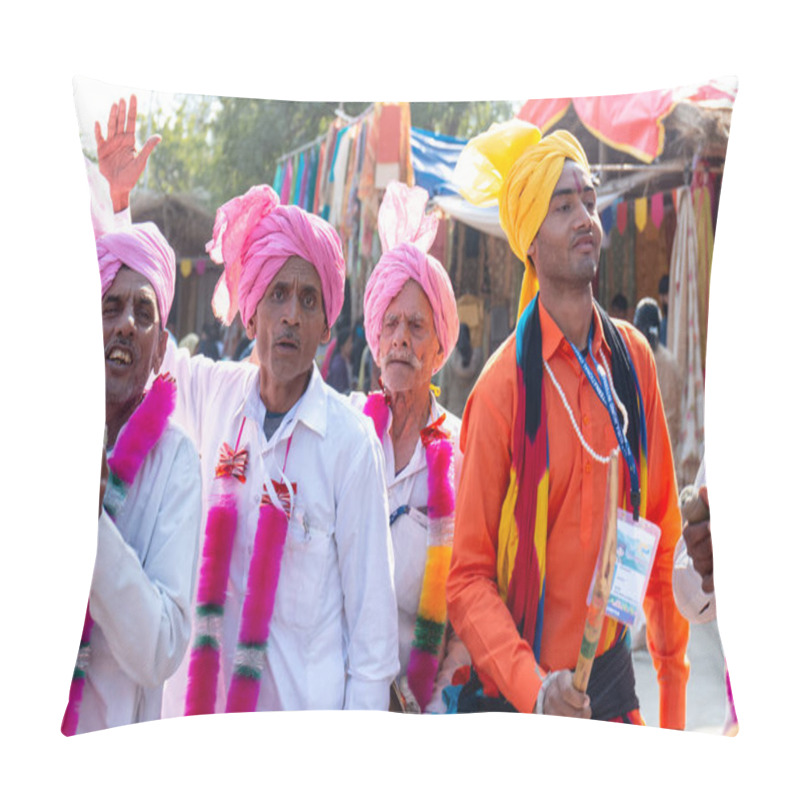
point(411, 324)
point(295, 600)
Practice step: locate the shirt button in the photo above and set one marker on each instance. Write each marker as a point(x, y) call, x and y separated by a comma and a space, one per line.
point(585, 419)
point(588, 468)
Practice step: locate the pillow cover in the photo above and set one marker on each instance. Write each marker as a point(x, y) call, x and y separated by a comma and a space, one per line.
point(660, 157)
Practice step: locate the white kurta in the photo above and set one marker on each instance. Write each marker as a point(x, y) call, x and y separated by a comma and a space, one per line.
point(142, 588)
point(333, 635)
point(409, 487)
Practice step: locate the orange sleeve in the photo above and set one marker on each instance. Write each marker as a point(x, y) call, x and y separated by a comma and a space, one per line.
point(477, 612)
point(667, 630)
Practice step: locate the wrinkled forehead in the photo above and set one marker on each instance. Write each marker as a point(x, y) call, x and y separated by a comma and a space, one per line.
point(129, 281)
point(410, 301)
point(297, 270)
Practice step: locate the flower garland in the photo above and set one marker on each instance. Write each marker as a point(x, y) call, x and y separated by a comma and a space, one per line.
point(262, 585)
point(136, 440)
point(212, 583)
point(423, 663)
point(259, 603)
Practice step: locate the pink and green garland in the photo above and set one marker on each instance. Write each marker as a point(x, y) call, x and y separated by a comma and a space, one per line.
point(259, 602)
point(136, 440)
point(423, 664)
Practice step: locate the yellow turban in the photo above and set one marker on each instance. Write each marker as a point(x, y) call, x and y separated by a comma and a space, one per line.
point(512, 164)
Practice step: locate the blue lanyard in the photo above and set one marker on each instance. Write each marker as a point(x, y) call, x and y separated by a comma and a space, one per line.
point(398, 512)
point(600, 384)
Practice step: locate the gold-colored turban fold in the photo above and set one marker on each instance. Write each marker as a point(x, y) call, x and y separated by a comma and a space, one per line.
point(512, 164)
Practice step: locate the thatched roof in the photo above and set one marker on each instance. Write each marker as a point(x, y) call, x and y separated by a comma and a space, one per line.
point(692, 129)
point(184, 222)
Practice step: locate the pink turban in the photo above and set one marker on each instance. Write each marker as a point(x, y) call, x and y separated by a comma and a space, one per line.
point(254, 235)
point(144, 249)
point(407, 233)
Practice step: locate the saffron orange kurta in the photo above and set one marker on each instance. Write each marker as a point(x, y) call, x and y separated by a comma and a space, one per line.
point(577, 485)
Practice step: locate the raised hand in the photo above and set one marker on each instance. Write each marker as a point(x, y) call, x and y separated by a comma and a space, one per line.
point(117, 158)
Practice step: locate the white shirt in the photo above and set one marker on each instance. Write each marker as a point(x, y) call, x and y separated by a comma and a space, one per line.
point(410, 545)
point(142, 588)
point(333, 634)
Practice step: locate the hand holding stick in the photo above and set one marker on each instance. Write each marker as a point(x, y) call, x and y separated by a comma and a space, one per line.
point(602, 581)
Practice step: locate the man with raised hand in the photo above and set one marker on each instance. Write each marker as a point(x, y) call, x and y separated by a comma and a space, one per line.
point(295, 605)
point(295, 596)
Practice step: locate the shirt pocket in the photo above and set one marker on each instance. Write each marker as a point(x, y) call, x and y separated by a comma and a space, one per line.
point(304, 573)
point(410, 543)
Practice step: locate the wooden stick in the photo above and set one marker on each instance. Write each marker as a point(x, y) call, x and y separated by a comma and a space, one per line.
point(602, 581)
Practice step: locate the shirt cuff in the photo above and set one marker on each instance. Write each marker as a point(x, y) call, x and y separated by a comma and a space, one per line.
point(539, 708)
point(362, 695)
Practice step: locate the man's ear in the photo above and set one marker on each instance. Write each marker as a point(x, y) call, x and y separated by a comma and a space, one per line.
point(438, 362)
point(250, 328)
point(161, 351)
point(326, 335)
point(532, 254)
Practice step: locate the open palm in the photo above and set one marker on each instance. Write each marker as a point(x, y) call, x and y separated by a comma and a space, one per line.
point(117, 159)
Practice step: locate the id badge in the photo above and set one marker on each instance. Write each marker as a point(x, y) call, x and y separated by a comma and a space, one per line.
point(637, 542)
point(636, 551)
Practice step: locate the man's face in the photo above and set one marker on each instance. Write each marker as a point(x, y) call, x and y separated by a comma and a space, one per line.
point(409, 350)
point(133, 340)
point(289, 324)
point(566, 250)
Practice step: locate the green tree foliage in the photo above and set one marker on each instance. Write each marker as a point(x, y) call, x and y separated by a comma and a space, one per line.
point(183, 163)
point(462, 120)
point(218, 147)
point(251, 135)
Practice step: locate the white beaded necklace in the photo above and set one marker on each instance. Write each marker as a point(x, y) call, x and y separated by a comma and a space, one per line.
point(620, 405)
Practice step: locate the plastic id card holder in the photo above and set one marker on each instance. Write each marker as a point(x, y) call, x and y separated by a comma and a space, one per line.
point(636, 551)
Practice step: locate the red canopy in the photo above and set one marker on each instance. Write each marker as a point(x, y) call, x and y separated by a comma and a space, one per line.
point(632, 123)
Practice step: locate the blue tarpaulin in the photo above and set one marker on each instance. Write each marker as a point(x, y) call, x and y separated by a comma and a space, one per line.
point(433, 158)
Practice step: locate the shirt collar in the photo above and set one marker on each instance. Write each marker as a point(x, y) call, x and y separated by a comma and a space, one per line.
point(553, 339)
point(310, 409)
point(418, 459)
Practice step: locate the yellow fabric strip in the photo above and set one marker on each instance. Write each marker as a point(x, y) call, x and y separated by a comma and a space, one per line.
point(432, 603)
point(507, 537)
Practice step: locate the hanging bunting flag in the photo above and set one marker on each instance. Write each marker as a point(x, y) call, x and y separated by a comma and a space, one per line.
point(640, 213)
point(200, 266)
point(186, 267)
point(622, 215)
point(608, 217)
point(657, 209)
